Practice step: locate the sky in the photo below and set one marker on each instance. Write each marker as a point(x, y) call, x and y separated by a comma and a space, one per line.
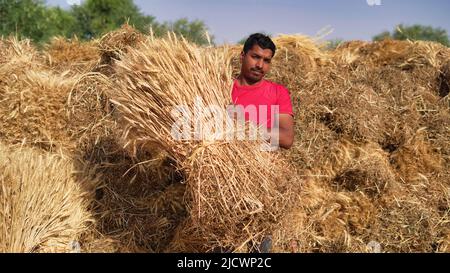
point(231, 20)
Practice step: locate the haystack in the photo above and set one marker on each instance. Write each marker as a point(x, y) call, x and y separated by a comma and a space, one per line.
point(385, 98)
point(235, 192)
point(12, 48)
point(326, 221)
point(402, 54)
point(348, 52)
point(71, 54)
point(139, 199)
point(114, 43)
point(45, 201)
point(33, 108)
point(310, 52)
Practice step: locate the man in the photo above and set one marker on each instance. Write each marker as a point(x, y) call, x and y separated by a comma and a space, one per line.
point(251, 89)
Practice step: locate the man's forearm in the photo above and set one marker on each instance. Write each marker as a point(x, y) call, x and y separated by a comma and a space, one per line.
point(283, 137)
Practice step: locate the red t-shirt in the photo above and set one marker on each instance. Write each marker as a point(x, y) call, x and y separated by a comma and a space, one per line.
point(262, 96)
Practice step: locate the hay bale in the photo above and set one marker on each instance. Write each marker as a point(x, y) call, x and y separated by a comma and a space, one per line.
point(253, 189)
point(13, 49)
point(310, 53)
point(113, 44)
point(45, 107)
point(45, 201)
point(327, 221)
point(33, 108)
point(139, 203)
point(402, 54)
point(71, 54)
point(348, 53)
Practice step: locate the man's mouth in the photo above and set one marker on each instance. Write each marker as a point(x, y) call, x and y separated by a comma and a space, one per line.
point(257, 72)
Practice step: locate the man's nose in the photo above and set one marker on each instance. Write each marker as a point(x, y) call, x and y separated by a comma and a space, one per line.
point(259, 64)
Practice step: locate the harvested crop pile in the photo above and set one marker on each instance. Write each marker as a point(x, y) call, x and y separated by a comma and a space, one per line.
point(385, 101)
point(113, 44)
point(15, 50)
point(403, 54)
point(372, 144)
point(49, 107)
point(74, 55)
point(234, 191)
point(45, 201)
point(33, 99)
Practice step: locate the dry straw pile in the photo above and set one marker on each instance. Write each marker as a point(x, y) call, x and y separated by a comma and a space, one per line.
point(373, 143)
point(45, 201)
point(73, 55)
point(372, 149)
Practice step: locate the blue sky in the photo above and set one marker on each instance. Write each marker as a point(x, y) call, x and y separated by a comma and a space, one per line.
point(231, 20)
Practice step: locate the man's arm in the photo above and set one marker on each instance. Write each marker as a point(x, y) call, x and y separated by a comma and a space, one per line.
point(286, 131)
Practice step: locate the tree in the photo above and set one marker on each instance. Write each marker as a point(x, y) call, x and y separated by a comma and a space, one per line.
point(382, 36)
point(63, 22)
point(96, 17)
point(31, 19)
point(416, 32)
point(195, 31)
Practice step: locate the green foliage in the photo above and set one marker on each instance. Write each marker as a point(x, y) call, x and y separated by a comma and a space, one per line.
point(97, 17)
point(382, 36)
point(93, 18)
point(195, 31)
point(416, 32)
point(27, 18)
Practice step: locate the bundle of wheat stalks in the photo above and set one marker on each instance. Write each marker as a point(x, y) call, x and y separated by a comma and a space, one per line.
point(45, 201)
point(235, 192)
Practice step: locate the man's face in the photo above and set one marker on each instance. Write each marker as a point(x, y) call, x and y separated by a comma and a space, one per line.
point(256, 63)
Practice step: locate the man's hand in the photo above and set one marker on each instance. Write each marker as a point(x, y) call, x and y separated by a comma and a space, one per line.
point(286, 131)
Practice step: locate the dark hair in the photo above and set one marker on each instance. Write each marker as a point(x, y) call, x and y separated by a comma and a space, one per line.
point(262, 40)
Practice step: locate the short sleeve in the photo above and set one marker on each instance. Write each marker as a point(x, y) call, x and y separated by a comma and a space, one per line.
point(284, 101)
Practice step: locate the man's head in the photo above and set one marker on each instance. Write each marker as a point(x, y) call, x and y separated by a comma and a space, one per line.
point(256, 57)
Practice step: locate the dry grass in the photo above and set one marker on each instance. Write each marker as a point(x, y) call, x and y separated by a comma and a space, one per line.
point(372, 144)
point(403, 54)
point(385, 98)
point(113, 44)
point(73, 55)
point(45, 201)
point(33, 99)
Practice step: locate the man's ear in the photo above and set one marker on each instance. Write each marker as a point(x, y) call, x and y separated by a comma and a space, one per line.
point(242, 56)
